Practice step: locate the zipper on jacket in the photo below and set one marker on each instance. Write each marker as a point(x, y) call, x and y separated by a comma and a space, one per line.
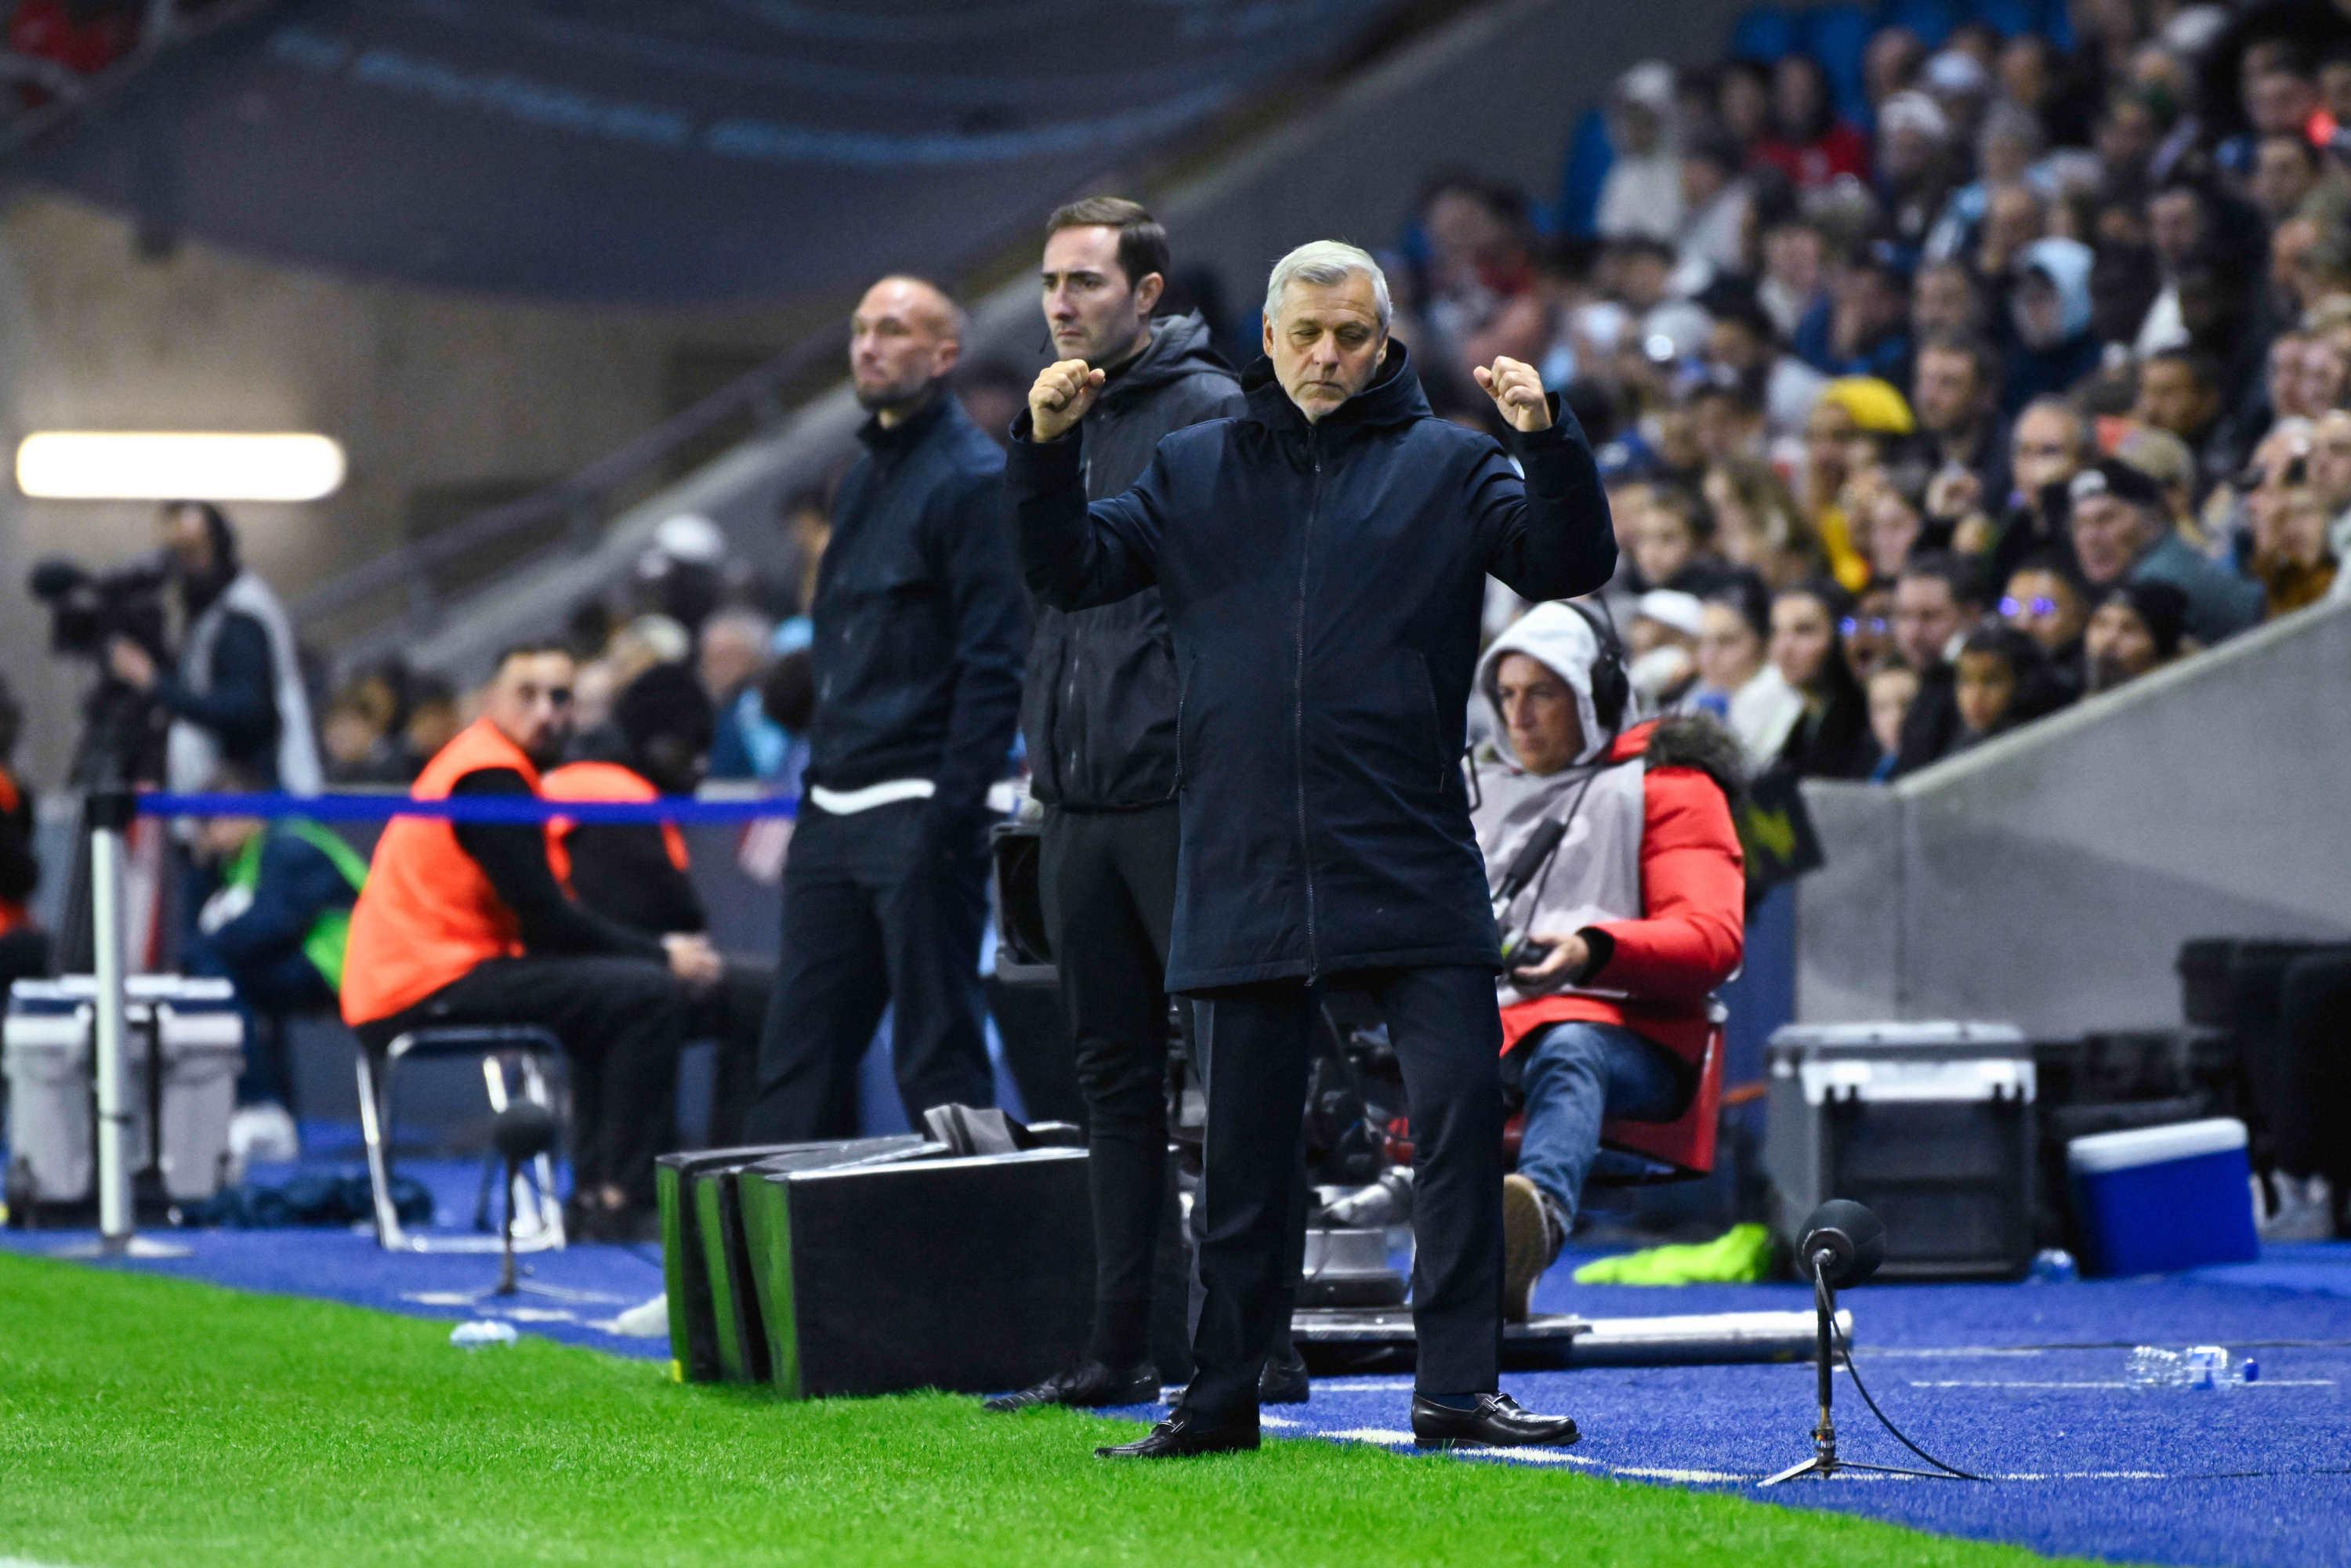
point(1298, 704)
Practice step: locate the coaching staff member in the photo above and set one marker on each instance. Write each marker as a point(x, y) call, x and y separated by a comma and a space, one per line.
point(464, 923)
point(919, 626)
point(1322, 559)
point(1098, 713)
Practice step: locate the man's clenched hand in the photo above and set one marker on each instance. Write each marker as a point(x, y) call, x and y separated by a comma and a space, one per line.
point(1064, 393)
point(1517, 390)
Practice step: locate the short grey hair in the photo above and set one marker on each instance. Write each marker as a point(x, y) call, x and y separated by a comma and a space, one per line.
point(1326, 263)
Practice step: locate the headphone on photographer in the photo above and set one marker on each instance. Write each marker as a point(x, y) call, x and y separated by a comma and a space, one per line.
point(1612, 687)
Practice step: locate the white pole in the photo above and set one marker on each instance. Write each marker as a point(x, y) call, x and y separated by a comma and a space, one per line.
point(106, 857)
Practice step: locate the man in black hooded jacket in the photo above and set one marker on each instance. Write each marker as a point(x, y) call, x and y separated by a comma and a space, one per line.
point(1098, 715)
point(1321, 560)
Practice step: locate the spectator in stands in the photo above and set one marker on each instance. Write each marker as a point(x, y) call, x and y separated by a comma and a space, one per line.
point(1893, 687)
point(2045, 602)
point(1863, 326)
point(433, 721)
point(275, 930)
point(2122, 532)
point(1795, 272)
point(2286, 168)
point(1855, 416)
point(680, 576)
point(1743, 341)
point(2137, 627)
point(1867, 634)
point(2050, 317)
point(639, 875)
point(1726, 420)
point(2000, 680)
point(2291, 560)
point(236, 693)
point(919, 624)
point(1888, 516)
point(1661, 642)
point(1937, 603)
point(1742, 105)
point(464, 923)
point(1717, 205)
point(1913, 166)
point(2179, 392)
point(1642, 192)
point(733, 657)
point(1737, 682)
point(1638, 918)
point(1955, 393)
point(1480, 298)
point(1758, 527)
point(1808, 143)
point(2330, 476)
point(24, 948)
point(1673, 545)
point(1944, 302)
point(1830, 738)
point(2047, 447)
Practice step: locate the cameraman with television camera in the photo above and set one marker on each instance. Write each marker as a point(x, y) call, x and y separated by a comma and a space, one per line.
point(235, 695)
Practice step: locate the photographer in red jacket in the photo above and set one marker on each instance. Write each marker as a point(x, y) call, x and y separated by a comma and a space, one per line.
point(1624, 930)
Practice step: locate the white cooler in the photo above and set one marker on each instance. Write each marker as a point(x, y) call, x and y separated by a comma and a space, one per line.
point(46, 1051)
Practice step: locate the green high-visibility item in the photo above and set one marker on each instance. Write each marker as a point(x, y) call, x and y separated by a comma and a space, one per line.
point(1739, 1256)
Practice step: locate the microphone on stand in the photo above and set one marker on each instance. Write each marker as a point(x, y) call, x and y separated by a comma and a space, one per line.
point(524, 1131)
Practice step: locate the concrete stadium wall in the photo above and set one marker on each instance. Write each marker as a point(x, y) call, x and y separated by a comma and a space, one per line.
point(1497, 91)
point(425, 390)
point(2048, 878)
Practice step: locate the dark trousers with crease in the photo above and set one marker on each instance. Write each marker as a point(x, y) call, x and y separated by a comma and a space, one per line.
point(879, 913)
point(1255, 1042)
point(1107, 881)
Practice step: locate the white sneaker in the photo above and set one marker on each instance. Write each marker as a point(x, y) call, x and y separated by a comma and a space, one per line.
point(2304, 1209)
point(646, 1319)
point(263, 1131)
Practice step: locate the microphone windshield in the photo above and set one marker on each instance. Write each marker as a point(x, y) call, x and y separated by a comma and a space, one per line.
point(524, 1131)
point(1852, 1236)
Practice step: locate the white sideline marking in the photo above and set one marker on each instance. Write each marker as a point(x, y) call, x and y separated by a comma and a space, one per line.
point(2117, 1382)
point(25, 1563)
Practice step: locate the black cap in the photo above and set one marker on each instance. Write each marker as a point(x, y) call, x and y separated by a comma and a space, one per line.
point(2112, 476)
point(665, 700)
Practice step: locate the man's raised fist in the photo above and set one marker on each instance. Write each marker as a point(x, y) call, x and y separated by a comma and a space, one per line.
point(1517, 390)
point(1064, 393)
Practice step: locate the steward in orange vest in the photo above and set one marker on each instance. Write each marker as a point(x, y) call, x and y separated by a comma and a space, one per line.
point(463, 923)
point(638, 874)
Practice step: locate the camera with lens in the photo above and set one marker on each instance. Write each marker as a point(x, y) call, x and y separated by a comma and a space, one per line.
point(88, 609)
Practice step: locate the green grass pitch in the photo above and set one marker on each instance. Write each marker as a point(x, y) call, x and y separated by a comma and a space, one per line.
point(154, 1421)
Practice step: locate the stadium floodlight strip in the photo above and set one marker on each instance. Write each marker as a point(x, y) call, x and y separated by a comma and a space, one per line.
point(171, 466)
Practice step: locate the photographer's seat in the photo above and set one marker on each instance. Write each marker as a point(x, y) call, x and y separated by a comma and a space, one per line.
point(1635, 1153)
point(528, 1051)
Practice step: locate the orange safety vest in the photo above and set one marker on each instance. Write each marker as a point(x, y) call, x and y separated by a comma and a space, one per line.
point(12, 914)
point(598, 781)
point(428, 915)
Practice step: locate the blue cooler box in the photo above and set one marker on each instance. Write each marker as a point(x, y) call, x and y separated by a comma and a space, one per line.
point(2159, 1198)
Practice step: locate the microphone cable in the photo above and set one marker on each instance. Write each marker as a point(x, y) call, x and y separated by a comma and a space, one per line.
point(1820, 1296)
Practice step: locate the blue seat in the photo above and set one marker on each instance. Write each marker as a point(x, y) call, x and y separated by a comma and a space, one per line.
point(2008, 18)
point(1588, 159)
point(1762, 33)
point(1932, 20)
point(1836, 35)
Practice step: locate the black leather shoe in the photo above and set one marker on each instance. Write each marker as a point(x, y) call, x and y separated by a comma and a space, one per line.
point(1088, 1384)
point(1284, 1379)
point(1186, 1433)
point(1498, 1422)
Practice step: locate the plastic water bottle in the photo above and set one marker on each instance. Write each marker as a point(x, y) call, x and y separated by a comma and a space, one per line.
point(2197, 1366)
point(2053, 1266)
point(480, 1332)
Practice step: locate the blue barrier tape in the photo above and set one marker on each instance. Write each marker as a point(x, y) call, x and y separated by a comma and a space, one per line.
point(505, 808)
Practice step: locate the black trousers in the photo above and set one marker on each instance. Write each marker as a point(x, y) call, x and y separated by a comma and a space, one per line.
point(732, 1015)
point(1107, 880)
point(1255, 1042)
point(622, 1021)
point(880, 911)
